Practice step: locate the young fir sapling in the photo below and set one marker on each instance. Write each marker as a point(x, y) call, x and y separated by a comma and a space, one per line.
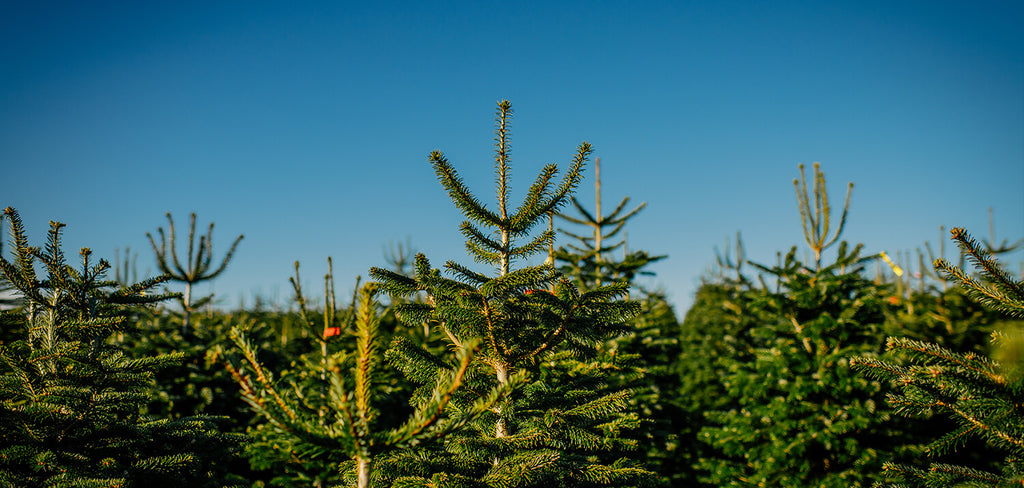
point(785, 408)
point(588, 260)
point(561, 428)
point(196, 267)
point(643, 359)
point(71, 399)
point(334, 420)
point(8, 298)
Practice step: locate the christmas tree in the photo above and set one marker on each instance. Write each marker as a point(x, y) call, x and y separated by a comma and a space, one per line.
point(70, 399)
point(563, 427)
point(983, 395)
point(590, 259)
point(196, 266)
point(789, 410)
point(644, 359)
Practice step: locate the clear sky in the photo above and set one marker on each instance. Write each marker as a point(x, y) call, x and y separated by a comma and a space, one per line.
point(307, 125)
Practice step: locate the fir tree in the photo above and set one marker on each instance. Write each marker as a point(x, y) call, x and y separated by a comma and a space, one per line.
point(333, 421)
point(715, 331)
point(796, 415)
point(563, 428)
point(70, 399)
point(644, 358)
point(8, 297)
point(590, 260)
point(983, 395)
point(196, 267)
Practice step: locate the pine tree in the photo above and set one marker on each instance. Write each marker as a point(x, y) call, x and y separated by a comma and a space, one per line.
point(70, 399)
point(982, 395)
point(562, 428)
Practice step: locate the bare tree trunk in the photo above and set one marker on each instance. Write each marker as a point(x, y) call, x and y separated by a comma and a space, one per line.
point(188, 307)
point(500, 429)
point(363, 467)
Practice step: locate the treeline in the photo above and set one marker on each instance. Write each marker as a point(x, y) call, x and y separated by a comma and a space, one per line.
point(839, 369)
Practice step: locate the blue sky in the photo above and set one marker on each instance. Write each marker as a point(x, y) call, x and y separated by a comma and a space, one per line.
point(307, 128)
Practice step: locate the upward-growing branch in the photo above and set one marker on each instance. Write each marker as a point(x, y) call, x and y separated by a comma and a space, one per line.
point(816, 222)
point(589, 259)
point(501, 161)
point(196, 267)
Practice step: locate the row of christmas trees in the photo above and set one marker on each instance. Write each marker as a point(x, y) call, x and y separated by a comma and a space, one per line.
point(517, 375)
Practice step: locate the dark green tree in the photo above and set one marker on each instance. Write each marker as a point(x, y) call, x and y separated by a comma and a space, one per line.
point(717, 326)
point(983, 395)
point(562, 428)
point(334, 421)
point(196, 267)
point(644, 357)
point(71, 400)
point(795, 414)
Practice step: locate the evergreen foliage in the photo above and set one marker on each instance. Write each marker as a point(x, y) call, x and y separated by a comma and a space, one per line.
point(334, 421)
point(717, 325)
point(982, 395)
point(196, 267)
point(71, 399)
point(565, 426)
point(787, 410)
point(645, 356)
point(8, 296)
point(589, 260)
point(797, 415)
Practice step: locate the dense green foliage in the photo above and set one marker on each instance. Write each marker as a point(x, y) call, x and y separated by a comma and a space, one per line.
point(983, 395)
point(71, 401)
point(797, 415)
point(566, 425)
point(769, 395)
point(564, 373)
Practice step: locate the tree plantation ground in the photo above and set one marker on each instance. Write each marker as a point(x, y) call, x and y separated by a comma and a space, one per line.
point(839, 369)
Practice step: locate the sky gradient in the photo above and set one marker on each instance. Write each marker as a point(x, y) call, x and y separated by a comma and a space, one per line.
point(308, 128)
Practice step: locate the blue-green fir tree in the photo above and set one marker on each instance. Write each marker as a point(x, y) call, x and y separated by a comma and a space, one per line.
point(71, 399)
point(561, 428)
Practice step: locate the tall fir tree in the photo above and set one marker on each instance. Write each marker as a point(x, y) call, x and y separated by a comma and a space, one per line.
point(644, 358)
point(796, 415)
point(983, 395)
point(590, 260)
point(71, 400)
point(562, 428)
